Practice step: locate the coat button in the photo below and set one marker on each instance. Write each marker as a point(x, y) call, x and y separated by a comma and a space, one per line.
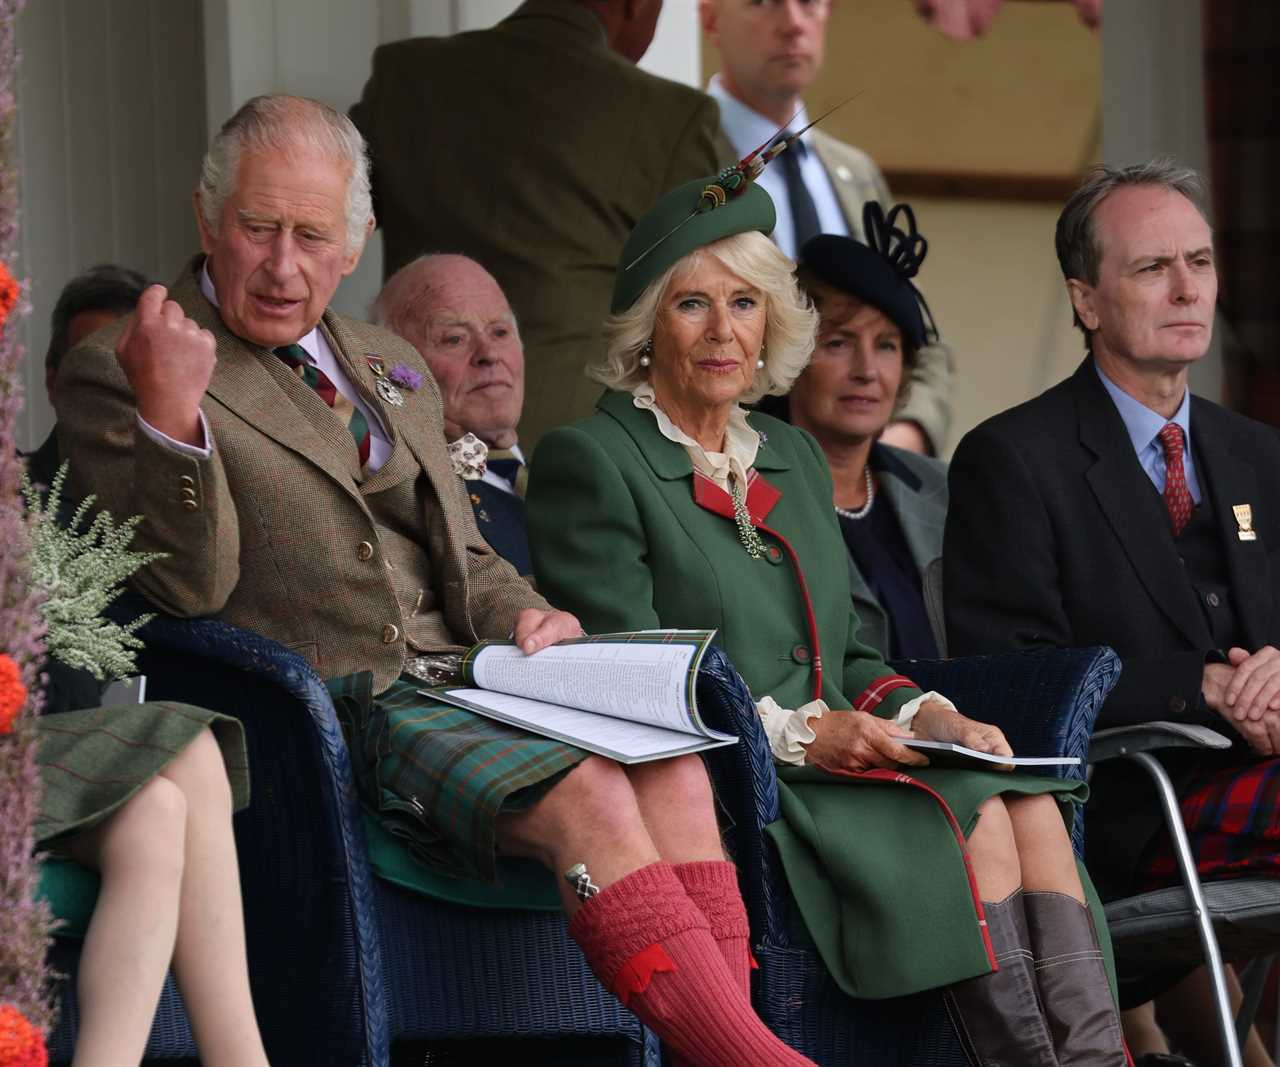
point(801, 654)
point(364, 551)
point(188, 493)
point(186, 479)
point(1177, 705)
point(1213, 600)
point(390, 633)
point(773, 554)
point(191, 505)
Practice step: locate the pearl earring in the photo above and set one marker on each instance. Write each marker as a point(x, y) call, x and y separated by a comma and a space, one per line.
point(760, 360)
point(646, 353)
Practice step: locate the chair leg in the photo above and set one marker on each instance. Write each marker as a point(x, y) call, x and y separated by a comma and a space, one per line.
point(1253, 981)
point(1204, 921)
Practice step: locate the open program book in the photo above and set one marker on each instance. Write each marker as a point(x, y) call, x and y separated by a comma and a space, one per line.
point(628, 696)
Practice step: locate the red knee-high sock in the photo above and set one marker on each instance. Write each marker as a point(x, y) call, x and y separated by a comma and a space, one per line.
point(712, 885)
point(647, 942)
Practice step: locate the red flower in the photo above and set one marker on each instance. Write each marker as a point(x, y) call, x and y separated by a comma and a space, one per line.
point(21, 1044)
point(13, 694)
point(10, 290)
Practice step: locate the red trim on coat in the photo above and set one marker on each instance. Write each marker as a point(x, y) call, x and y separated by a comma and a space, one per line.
point(882, 774)
point(871, 697)
point(761, 498)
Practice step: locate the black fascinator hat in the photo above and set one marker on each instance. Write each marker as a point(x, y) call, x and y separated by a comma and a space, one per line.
point(878, 272)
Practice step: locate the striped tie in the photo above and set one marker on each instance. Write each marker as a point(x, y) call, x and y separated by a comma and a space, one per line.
point(295, 356)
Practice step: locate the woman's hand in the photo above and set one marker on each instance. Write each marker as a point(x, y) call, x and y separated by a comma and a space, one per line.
point(858, 741)
point(937, 722)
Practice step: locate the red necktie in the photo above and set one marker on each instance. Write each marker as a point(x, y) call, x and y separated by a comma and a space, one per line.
point(1177, 497)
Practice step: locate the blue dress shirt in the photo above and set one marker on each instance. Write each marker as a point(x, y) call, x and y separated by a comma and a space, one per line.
point(1144, 426)
point(746, 131)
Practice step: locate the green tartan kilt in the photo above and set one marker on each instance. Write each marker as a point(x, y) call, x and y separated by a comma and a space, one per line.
point(437, 777)
point(878, 867)
point(91, 762)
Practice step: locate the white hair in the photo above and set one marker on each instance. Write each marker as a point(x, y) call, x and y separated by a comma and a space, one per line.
point(790, 320)
point(287, 124)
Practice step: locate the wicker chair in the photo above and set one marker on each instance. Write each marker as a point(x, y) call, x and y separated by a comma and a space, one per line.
point(1046, 703)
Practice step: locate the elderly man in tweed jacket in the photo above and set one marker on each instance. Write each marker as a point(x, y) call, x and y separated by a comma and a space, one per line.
point(292, 463)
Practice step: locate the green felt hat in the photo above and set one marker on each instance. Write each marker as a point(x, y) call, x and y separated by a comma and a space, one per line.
point(680, 222)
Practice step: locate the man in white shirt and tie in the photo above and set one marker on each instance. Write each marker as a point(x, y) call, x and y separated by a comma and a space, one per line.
point(770, 53)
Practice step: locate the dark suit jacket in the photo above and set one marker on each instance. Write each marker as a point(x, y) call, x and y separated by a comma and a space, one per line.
point(500, 518)
point(916, 487)
point(1056, 537)
point(533, 148)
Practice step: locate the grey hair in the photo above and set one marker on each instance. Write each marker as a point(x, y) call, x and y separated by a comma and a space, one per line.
point(1076, 241)
point(791, 321)
point(285, 124)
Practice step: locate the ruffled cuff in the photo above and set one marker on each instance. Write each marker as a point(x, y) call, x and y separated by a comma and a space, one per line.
point(907, 713)
point(788, 729)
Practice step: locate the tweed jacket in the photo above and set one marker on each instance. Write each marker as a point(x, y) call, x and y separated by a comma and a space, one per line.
point(277, 530)
point(916, 488)
point(856, 179)
point(1055, 537)
point(535, 149)
point(625, 535)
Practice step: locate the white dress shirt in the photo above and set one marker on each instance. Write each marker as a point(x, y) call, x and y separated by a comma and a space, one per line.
point(497, 480)
point(322, 357)
point(746, 131)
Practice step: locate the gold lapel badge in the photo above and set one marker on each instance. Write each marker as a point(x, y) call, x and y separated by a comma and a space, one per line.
point(1244, 522)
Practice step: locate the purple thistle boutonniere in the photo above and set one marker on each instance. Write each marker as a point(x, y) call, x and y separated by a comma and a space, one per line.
point(406, 377)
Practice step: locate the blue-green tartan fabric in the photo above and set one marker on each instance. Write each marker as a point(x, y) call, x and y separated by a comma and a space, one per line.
point(437, 776)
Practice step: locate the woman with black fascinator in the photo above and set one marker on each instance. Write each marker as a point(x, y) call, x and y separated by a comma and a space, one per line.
point(891, 504)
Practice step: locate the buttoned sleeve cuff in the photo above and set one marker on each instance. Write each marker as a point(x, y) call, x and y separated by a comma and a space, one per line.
point(788, 729)
point(203, 451)
point(907, 713)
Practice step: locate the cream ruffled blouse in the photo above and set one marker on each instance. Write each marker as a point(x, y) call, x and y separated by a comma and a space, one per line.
point(788, 729)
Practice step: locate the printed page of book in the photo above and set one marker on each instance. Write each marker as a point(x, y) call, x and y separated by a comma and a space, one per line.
point(643, 677)
point(618, 738)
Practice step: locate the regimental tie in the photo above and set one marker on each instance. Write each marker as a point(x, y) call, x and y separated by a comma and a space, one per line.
point(296, 357)
point(1177, 497)
point(506, 464)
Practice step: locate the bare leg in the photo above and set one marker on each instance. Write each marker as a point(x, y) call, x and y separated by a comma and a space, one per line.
point(675, 801)
point(139, 853)
point(1044, 847)
point(1184, 1012)
point(993, 853)
point(209, 959)
point(1141, 1031)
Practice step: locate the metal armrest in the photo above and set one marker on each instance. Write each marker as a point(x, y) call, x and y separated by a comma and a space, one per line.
point(1152, 736)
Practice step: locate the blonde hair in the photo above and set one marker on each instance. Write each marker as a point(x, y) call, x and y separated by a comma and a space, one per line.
point(790, 320)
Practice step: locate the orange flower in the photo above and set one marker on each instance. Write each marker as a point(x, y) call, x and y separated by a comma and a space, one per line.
point(21, 1044)
point(10, 290)
point(13, 694)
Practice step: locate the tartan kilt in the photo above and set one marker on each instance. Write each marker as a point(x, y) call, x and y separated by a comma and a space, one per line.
point(1232, 817)
point(437, 777)
point(94, 760)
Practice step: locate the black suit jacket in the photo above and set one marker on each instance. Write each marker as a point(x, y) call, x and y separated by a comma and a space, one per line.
point(1055, 537)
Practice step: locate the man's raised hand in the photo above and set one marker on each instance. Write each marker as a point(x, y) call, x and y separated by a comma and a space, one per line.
point(168, 360)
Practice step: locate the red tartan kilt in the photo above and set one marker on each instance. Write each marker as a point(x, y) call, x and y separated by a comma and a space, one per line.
point(1233, 825)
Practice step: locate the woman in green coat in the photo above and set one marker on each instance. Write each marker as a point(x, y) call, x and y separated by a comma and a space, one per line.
point(674, 507)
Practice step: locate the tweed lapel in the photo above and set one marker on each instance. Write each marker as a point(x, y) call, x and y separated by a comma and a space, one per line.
point(921, 510)
point(1231, 480)
point(1135, 513)
point(848, 189)
point(248, 380)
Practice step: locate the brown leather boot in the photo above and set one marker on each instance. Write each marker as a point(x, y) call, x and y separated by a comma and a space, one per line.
point(1073, 982)
point(998, 1015)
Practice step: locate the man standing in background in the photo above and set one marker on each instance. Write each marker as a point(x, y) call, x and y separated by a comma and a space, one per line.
point(533, 147)
point(771, 52)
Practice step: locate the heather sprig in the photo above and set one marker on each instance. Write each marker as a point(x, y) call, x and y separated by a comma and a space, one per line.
point(81, 571)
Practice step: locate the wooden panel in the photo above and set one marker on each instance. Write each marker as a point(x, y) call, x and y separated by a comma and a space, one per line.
point(88, 120)
point(980, 185)
point(134, 146)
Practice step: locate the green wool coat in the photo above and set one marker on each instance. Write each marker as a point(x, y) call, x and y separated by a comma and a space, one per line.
point(626, 536)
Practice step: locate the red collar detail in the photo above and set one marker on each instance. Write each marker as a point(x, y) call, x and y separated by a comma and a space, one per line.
point(761, 496)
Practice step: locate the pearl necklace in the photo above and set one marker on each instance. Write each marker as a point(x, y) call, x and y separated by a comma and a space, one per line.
point(861, 513)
